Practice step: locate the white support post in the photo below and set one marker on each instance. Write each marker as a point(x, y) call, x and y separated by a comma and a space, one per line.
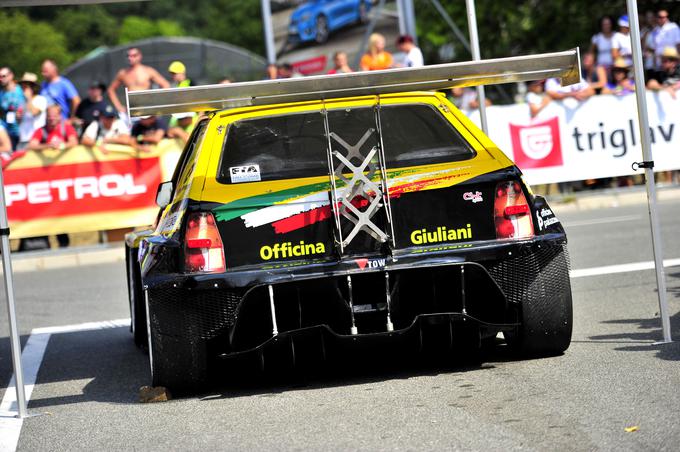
point(474, 43)
point(268, 31)
point(15, 344)
point(643, 123)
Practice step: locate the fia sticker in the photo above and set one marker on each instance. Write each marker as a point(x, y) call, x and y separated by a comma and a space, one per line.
point(247, 173)
point(474, 197)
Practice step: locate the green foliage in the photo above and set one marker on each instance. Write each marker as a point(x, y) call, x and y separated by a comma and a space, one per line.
point(238, 23)
point(24, 44)
point(86, 25)
point(134, 28)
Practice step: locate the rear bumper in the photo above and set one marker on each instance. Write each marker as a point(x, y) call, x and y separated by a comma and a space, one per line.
point(230, 321)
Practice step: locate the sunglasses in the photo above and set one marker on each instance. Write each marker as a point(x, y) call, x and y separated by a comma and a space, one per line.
point(6, 74)
point(662, 17)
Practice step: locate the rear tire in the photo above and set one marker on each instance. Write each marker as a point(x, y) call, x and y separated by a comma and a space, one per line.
point(178, 363)
point(546, 317)
point(136, 299)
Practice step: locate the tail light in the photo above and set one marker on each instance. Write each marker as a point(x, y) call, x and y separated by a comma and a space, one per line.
point(512, 213)
point(203, 251)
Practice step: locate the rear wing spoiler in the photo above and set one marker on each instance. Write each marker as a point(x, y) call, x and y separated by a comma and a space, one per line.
point(564, 65)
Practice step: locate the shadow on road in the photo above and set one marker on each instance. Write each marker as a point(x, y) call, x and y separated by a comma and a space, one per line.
point(105, 366)
point(647, 332)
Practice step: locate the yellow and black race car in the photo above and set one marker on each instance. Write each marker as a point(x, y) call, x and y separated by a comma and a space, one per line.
point(343, 210)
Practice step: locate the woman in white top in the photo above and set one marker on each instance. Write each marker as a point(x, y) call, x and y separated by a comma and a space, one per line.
point(621, 45)
point(601, 43)
point(33, 117)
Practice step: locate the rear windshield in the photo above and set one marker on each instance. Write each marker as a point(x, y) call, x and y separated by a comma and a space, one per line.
point(293, 146)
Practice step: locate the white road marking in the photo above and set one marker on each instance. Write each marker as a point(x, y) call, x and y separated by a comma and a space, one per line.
point(31, 358)
point(622, 268)
point(602, 221)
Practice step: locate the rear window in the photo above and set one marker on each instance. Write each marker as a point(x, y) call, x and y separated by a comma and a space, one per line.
point(293, 146)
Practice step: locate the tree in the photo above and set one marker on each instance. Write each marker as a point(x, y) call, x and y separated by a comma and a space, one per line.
point(24, 44)
point(86, 28)
point(135, 28)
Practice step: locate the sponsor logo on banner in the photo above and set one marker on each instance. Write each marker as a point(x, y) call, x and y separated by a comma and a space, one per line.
point(537, 145)
point(81, 188)
point(310, 66)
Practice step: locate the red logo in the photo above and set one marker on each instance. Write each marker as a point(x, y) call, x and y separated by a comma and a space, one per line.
point(537, 145)
point(311, 66)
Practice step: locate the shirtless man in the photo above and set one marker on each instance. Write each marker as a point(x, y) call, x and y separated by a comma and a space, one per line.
point(135, 77)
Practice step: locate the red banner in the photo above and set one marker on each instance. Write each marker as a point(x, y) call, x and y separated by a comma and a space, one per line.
point(81, 188)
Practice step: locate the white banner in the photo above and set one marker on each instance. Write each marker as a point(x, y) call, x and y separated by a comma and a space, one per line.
point(571, 140)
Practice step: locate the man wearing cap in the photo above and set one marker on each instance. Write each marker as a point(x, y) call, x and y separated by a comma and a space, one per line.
point(668, 78)
point(178, 75)
point(621, 44)
point(148, 131)
point(33, 117)
point(91, 108)
point(181, 126)
point(59, 90)
point(12, 104)
point(108, 129)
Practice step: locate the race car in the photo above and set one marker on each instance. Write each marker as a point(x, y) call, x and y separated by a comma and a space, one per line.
point(380, 217)
point(315, 20)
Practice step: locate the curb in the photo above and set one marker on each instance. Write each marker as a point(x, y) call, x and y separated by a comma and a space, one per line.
point(48, 260)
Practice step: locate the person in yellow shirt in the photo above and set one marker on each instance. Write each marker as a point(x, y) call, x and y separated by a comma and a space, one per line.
point(377, 57)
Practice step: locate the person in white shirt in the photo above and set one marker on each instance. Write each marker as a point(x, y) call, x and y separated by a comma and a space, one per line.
point(601, 43)
point(579, 91)
point(621, 44)
point(414, 57)
point(666, 34)
point(33, 117)
point(107, 130)
point(536, 97)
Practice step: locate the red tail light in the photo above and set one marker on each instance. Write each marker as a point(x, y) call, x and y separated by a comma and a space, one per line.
point(203, 251)
point(512, 213)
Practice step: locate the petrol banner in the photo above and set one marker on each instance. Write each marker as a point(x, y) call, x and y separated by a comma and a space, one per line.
point(82, 189)
point(570, 140)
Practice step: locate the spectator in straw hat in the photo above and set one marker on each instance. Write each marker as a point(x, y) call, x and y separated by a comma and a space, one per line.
point(668, 78)
point(178, 75)
point(33, 117)
point(621, 83)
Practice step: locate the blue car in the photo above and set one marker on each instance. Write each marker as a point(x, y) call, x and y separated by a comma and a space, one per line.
point(315, 20)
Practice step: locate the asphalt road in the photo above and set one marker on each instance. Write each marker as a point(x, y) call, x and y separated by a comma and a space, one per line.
point(612, 376)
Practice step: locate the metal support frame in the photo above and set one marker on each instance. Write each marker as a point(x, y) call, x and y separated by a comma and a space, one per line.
point(383, 170)
point(462, 290)
point(388, 297)
point(268, 31)
point(353, 329)
point(359, 185)
point(272, 309)
point(333, 191)
point(643, 123)
point(474, 43)
point(11, 307)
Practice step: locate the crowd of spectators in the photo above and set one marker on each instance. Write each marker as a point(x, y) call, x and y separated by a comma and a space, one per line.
point(607, 65)
point(45, 115)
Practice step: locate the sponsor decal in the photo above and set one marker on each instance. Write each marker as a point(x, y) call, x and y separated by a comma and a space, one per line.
point(247, 173)
point(545, 218)
point(370, 263)
point(72, 189)
point(442, 248)
point(537, 145)
point(474, 197)
point(287, 250)
point(618, 140)
point(441, 234)
point(311, 66)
